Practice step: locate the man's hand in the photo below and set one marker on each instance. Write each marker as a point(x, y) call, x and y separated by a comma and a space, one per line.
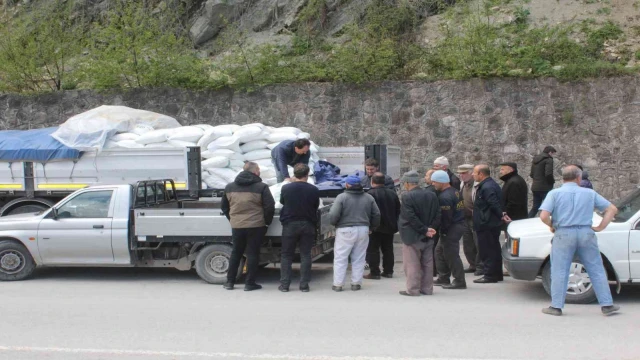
point(552, 229)
point(598, 228)
point(506, 218)
point(431, 232)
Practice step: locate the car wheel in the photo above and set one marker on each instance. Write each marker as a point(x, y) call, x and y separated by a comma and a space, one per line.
point(579, 289)
point(16, 262)
point(212, 263)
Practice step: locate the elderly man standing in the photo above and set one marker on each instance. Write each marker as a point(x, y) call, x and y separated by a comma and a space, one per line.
point(382, 238)
point(568, 211)
point(419, 217)
point(442, 163)
point(249, 206)
point(371, 166)
point(451, 228)
point(469, 238)
point(355, 215)
point(515, 193)
point(487, 221)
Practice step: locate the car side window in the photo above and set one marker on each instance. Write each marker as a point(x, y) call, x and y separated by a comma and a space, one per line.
point(92, 204)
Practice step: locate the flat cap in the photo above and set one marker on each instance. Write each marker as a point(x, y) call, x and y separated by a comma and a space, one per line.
point(464, 168)
point(411, 177)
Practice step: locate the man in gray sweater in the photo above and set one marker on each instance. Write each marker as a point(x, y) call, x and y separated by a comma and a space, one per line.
point(355, 215)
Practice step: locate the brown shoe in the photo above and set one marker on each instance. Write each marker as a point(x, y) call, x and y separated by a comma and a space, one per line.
point(372, 277)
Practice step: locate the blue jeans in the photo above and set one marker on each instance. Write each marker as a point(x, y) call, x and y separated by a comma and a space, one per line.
point(567, 242)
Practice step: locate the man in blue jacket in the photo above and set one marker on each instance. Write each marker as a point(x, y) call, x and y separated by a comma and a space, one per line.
point(290, 153)
point(487, 222)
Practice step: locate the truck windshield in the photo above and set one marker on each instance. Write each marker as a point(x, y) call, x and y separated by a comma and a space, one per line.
point(627, 206)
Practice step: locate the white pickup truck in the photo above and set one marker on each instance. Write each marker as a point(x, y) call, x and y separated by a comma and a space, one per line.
point(526, 251)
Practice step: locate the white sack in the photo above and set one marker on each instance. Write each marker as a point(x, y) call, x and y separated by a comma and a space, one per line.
point(249, 133)
point(91, 129)
point(225, 142)
point(273, 145)
point(263, 162)
point(281, 136)
point(254, 145)
point(261, 126)
point(267, 172)
point(129, 144)
point(213, 181)
point(220, 152)
point(304, 135)
point(314, 157)
point(204, 127)
point(141, 129)
point(124, 136)
point(186, 133)
point(257, 154)
point(213, 134)
point(110, 144)
point(311, 180)
point(163, 145)
point(215, 162)
point(287, 129)
point(152, 137)
point(180, 143)
point(236, 164)
point(227, 174)
point(271, 181)
point(314, 148)
point(229, 128)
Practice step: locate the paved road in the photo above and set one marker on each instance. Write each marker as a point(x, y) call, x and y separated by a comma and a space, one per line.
point(140, 314)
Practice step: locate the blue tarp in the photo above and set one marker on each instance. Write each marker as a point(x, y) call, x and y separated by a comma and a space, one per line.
point(34, 145)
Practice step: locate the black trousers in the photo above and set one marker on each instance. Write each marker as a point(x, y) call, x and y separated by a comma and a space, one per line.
point(379, 241)
point(538, 198)
point(246, 241)
point(448, 260)
point(490, 254)
point(302, 233)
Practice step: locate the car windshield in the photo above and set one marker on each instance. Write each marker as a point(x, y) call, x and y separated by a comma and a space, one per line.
point(627, 206)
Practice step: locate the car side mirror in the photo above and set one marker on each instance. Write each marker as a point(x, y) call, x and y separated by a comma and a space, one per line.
point(54, 213)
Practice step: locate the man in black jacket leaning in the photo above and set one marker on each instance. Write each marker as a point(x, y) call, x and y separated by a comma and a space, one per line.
point(382, 237)
point(249, 206)
point(299, 217)
point(487, 221)
point(542, 175)
point(290, 153)
point(419, 217)
point(515, 193)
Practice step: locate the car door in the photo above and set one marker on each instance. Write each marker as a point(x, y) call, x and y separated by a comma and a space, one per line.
point(81, 231)
point(634, 251)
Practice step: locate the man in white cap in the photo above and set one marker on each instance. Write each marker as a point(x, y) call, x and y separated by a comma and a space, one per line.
point(451, 228)
point(442, 163)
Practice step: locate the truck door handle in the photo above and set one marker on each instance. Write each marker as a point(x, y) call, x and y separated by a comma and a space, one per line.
point(98, 226)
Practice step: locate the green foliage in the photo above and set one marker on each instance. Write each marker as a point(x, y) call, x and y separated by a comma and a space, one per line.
point(567, 117)
point(597, 37)
point(36, 51)
point(604, 11)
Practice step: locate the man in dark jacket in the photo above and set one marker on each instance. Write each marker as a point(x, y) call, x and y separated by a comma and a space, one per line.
point(419, 217)
point(249, 206)
point(299, 217)
point(515, 193)
point(542, 175)
point(487, 221)
point(371, 166)
point(382, 237)
point(452, 226)
point(290, 153)
point(427, 181)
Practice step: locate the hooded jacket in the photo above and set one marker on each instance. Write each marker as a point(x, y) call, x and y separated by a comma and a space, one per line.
point(515, 196)
point(389, 206)
point(354, 207)
point(247, 202)
point(585, 182)
point(542, 173)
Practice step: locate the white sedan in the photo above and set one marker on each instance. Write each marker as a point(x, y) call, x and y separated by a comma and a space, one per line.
point(528, 246)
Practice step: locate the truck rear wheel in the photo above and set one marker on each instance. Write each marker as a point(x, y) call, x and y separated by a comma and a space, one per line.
point(15, 261)
point(579, 289)
point(25, 206)
point(212, 263)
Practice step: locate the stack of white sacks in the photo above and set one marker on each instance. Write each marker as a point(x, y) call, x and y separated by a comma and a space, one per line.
point(225, 148)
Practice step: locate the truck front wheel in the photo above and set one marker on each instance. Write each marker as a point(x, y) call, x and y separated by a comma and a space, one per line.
point(15, 261)
point(212, 263)
point(579, 289)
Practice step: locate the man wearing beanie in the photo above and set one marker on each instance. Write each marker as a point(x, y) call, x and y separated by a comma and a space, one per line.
point(452, 225)
point(442, 163)
point(419, 217)
point(355, 215)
